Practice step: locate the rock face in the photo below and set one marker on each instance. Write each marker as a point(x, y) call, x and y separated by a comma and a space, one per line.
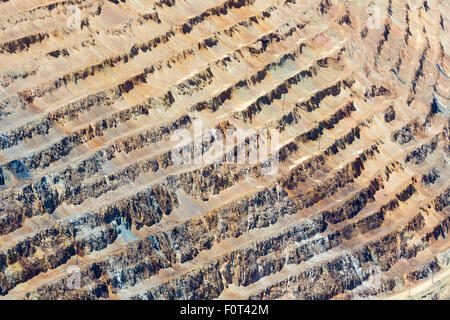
point(94, 206)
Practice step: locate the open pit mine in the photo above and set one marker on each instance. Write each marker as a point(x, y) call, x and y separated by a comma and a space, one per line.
point(352, 97)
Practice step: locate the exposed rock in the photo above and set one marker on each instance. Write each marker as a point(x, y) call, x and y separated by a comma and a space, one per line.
point(353, 109)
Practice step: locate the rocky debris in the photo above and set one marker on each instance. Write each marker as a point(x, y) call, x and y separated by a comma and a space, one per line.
point(389, 114)
point(405, 134)
point(424, 271)
point(430, 177)
point(22, 44)
point(418, 155)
